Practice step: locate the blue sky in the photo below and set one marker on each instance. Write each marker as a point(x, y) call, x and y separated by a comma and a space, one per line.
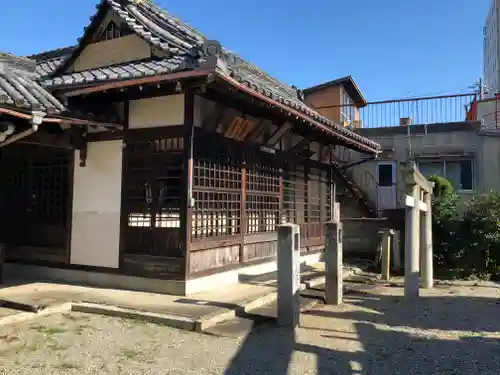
point(393, 48)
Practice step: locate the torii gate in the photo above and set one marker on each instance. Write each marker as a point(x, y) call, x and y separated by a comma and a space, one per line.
point(418, 243)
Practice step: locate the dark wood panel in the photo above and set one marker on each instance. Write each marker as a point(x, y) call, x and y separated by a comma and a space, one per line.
point(150, 266)
point(221, 257)
point(260, 250)
point(37, 253)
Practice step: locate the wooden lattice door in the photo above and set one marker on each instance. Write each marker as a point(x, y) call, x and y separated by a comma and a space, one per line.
point(35, 185)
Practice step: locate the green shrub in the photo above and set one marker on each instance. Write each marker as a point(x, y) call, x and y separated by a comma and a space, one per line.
point(442, 186)
point(466, 241)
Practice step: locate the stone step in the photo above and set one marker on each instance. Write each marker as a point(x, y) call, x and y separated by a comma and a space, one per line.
point(257, 319)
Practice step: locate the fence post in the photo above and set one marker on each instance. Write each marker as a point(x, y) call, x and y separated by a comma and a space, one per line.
point(333, 263)
point(396, 249)
point(385, 238)
point(288, 275)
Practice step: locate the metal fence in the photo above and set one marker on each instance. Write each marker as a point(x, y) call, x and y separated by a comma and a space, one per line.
point(424, 110)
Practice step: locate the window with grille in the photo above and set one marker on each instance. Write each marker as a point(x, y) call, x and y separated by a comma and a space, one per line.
point(216, 189)
point(111, 31)
point(263, 194)
point(294, 194)
point(153, 185)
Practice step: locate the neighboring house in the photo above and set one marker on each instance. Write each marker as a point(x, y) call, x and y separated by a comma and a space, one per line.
point(339, 100)
point(491, 49)
point(185, 161)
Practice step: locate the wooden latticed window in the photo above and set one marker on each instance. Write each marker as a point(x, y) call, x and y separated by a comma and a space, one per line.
point(216, 189)
point(294, 194)
point(263, 193)
point(153, 171)
point(316, 190)
point(111, 31)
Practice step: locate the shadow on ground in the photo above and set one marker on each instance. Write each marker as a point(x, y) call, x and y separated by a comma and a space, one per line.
point(386, 335)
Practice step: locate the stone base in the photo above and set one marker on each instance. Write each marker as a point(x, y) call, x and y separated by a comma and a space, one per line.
point(105, 280)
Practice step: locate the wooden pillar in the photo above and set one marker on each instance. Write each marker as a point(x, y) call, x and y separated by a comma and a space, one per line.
point(243, 206)
point(412, 247)
point(186, 209)
point(426, 244)
point(333, 195)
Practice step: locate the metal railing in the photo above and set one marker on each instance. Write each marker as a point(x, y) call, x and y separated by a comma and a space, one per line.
point(423, 110)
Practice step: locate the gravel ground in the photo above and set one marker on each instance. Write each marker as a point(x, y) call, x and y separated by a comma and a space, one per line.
point(452, 330)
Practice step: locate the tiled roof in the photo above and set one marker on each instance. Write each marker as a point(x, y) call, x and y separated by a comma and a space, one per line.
point(168, 34)
point(121, 72)
point(20, 91)
point(47, 62)
point(18, 86)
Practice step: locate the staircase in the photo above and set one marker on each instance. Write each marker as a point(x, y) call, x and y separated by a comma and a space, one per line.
point(358, 184)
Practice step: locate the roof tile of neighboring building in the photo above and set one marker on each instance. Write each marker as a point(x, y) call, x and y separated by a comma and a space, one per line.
point(20, 92)
point(180, 41)
point(19, 89)
point(47, 62)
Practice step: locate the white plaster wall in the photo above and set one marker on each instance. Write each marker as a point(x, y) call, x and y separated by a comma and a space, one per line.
point(154, 112)
point(95, 234)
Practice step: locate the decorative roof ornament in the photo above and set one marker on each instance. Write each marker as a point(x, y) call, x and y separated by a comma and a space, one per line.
point(212, 49)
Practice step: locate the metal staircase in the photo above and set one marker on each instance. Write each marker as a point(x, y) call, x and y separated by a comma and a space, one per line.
point(357, 183)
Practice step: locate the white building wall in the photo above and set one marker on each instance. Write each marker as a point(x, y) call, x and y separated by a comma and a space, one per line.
point(491, 51)
point(154, 112)
point(95, 237)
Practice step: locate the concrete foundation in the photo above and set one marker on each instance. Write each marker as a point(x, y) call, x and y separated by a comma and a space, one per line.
point(141, 284)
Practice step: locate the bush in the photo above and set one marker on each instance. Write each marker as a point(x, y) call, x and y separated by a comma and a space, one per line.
point(445, 223)
point(466, 241)
point(442, 186)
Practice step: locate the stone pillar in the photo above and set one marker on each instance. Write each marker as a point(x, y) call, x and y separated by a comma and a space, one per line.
point(412, 247)
point(426, 245)
point(333, 263)
point(385, 242)
point(336, 212)
point(396, 250)
point(288, 275)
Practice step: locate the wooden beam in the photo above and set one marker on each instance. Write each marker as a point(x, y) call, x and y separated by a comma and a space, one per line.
point(246, 128)
point(234, 127)
point(278, 134)
point(50, 140)
point(138, 81)
point(256, 132)
point(326, 154)
point(303, 143)
point(211, 121)
point(186, 209)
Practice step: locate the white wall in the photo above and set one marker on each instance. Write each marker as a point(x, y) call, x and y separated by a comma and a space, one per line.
point(153, 112)
point(95, 236)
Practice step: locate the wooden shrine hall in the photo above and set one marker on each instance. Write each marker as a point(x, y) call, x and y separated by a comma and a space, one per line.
point(166, 163)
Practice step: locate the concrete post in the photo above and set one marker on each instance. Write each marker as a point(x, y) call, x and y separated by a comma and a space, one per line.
point(412, 247)
point(333, 263)
point(396, 250)
point(385, 241)
point(288, 275)
point(426, 245)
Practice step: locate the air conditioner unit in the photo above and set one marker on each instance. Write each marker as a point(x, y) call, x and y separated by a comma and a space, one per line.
point(405, 121)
